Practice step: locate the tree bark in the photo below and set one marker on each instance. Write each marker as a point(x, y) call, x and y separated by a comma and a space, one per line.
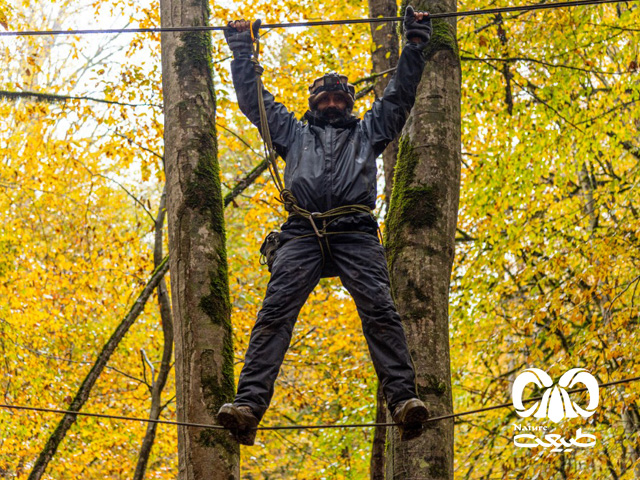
point(420, 242)
point(378, 454)
point(158, 384)
point(384, 56)
point(82, 395)
point(199, 284)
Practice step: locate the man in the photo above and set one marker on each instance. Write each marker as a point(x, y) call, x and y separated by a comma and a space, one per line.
point(330, 163)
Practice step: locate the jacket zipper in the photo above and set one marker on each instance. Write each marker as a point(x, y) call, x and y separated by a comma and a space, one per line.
point(329, 131)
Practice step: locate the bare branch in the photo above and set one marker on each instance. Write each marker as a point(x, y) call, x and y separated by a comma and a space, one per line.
point(120, 185)
point(54, 98)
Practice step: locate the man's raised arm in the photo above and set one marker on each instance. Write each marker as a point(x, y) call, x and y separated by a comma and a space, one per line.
point(389, 114)
point(282, 123)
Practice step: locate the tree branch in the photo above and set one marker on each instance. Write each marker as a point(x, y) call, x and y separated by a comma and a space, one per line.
point(54, 98)
point(534, 60)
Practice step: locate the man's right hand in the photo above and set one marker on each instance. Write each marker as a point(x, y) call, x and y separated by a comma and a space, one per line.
point(238, 25)
point(238, 37)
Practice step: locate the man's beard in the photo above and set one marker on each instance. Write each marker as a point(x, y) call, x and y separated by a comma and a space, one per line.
point(334, 114)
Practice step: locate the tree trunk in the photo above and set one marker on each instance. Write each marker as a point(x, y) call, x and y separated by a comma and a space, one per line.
point(420, 242)
point(199, 284)
point(385, 55)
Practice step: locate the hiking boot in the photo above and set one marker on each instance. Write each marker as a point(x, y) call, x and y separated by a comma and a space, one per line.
point(240, 421)
point(411, 415)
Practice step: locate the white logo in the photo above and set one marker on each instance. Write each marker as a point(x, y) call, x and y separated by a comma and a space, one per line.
point(555, 403)
point(556, 441)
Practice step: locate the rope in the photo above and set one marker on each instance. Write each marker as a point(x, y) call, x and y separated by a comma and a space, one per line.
point(468, 13)
point(297, 427)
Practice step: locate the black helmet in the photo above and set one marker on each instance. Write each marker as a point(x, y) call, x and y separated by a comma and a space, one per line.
point(331, 82)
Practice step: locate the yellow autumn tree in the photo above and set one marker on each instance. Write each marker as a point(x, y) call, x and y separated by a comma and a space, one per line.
point(546, 260)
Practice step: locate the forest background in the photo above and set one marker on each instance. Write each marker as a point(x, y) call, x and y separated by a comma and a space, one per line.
point(547, 256)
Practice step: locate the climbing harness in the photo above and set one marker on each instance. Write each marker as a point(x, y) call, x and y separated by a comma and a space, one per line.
point(286, 197)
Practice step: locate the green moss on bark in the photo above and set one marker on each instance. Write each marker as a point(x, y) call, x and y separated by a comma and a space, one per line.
point(438, 467)
point(215, 391)
point(212, 438)
point(443, 37)
point(204, 192)
point(218, 390)
point(217, 305)
point(193, 59)
point(433, 386)
point(412, 206)
point(193, 54)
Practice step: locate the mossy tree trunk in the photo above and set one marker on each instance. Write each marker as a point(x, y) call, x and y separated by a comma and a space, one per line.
point(420, 233)
point(199, 284)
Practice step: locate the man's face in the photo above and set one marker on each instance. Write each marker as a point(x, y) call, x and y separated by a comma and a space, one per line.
point(332, 99)
point(332, 106)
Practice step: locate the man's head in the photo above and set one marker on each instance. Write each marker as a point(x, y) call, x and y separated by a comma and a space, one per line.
point(332, 97)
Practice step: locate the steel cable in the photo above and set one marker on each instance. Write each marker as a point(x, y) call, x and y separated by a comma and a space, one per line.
point(468, 13)
point(296, 427)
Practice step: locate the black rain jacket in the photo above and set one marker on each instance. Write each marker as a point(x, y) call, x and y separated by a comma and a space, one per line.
point(332, 165)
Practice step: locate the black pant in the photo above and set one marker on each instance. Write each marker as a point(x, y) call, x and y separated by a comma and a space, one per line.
point(359, 260)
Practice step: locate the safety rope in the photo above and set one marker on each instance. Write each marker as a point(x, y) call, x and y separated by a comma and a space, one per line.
point(468, 13)
point(297, 427)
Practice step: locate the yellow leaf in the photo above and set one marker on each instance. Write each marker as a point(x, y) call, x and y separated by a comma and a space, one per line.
point(4, 18)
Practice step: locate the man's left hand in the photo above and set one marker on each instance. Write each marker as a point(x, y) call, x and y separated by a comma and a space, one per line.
point(417, 25)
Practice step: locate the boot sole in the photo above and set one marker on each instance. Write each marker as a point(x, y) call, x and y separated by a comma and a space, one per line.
point(229, 419)
point(413, 423)
point(416, 415)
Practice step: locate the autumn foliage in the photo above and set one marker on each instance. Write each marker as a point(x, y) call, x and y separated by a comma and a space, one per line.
point(547, 264)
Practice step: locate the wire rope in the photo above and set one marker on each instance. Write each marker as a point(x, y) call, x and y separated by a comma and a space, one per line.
point(295, 427)
point(467, 13)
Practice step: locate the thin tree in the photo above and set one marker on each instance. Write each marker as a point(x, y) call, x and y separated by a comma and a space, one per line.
point(158, 382)
point(82, 395)
point(199, 283)
point(420, 242)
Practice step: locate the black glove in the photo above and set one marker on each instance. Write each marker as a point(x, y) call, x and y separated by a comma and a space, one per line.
point(240, 42)
point(413, 28)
